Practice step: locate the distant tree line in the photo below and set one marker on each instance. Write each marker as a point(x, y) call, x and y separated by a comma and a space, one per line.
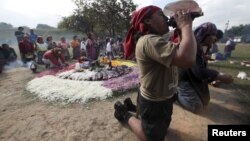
point(4, 25)
point(109, 17)
point(44, 26)
point(241, 30)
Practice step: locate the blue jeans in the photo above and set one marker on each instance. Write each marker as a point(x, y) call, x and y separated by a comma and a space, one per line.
point(188, 98)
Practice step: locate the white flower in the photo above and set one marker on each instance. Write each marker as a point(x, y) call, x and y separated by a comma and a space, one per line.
point(52, 88)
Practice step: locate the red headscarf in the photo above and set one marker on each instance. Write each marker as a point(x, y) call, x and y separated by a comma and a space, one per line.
point(138, 25)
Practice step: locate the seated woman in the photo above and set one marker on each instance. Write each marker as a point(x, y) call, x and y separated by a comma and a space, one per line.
point(193, 92)
point(54, 58)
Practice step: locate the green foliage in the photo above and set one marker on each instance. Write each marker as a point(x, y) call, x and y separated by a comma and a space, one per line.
point(241, 30)
point(44, 27)
point(75, 23)
point(100, 16)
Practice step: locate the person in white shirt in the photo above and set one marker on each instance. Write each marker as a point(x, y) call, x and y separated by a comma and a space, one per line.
point(83, 46)
point(229, 47)
point(41, 48)
point(109, 50)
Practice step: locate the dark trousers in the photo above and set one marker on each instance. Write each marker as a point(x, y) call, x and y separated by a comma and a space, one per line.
point(155, 117)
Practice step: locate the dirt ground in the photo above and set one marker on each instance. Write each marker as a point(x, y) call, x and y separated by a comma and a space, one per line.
point(24, 118)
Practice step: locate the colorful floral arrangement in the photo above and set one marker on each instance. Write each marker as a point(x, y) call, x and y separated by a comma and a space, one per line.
point(48, 87)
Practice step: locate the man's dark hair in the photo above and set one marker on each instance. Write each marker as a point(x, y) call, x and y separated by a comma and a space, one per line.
point(219, 34)
point(20, 28)
point(4, 44)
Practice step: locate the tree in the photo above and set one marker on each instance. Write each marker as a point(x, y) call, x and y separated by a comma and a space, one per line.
point(44, 26)
point(75, 23)
point(241, 30)
point(112, 16)
point(238, 30)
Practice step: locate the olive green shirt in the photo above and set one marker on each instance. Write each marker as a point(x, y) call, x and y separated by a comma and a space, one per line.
point(158, 78)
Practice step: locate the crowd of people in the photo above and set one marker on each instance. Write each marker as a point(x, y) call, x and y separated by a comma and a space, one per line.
point(46, 51)
point(33, 47)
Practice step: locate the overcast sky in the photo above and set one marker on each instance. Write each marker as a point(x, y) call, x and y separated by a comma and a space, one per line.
point(33, 12)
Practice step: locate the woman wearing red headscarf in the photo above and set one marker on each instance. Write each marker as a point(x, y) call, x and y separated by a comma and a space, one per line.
point(157, 61)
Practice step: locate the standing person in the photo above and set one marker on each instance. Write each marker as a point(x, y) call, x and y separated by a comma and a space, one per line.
point(83, 47)
point(92, 47)
point(120, 46)
point(41, 48)
point(19, 34)
point(193, 92)
point(75, 44)
point(229, 47)
point(64, 45)
point(33, 37)
point(109, 50)
point(113, 47)
point(157, 60)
